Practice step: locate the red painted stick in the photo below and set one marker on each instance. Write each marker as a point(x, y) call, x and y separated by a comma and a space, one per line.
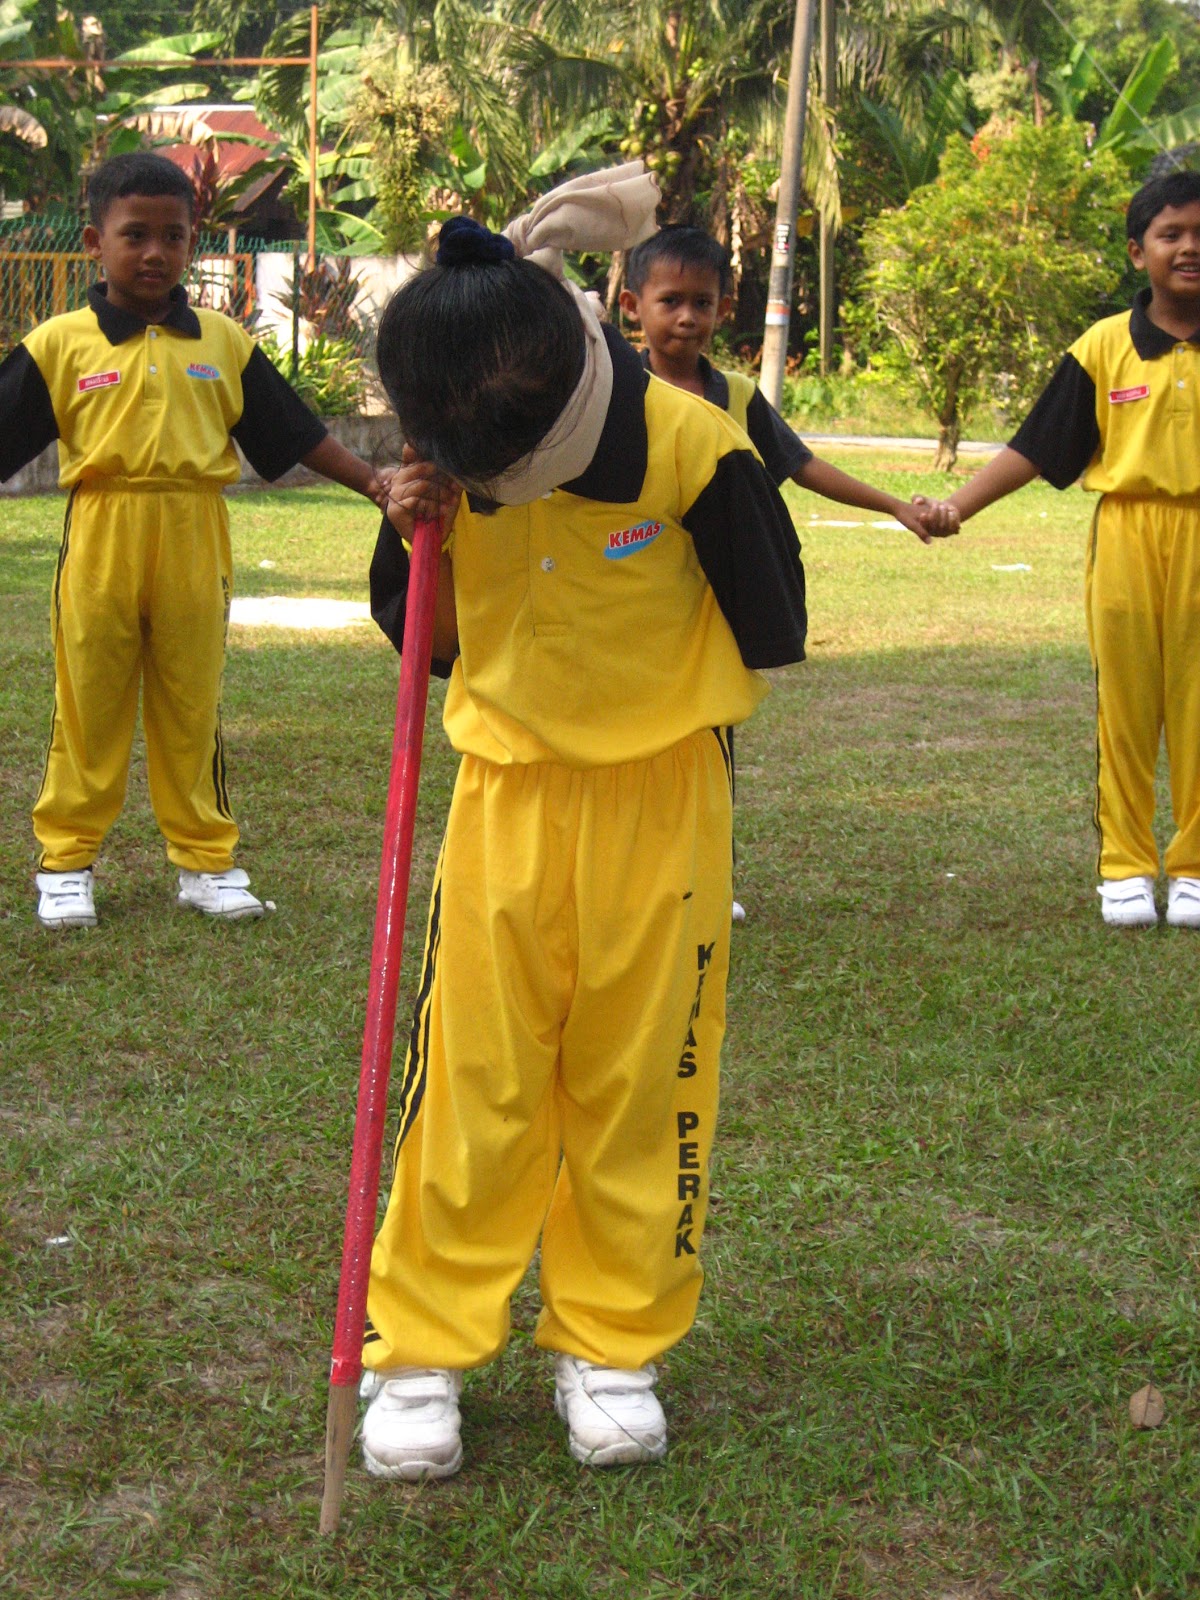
point(386, 953)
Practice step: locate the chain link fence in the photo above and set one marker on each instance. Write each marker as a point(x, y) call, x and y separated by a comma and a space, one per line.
point(312, 329)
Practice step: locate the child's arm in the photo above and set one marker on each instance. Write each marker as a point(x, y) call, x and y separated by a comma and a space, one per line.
point(332, 460)
point(1006, 471)
point(418, 489)
point(834, 484)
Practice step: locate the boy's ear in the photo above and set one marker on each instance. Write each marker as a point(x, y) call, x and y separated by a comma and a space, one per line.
point(91, 241)
point(629, 305)
point(724, 307)
point(1136, 254)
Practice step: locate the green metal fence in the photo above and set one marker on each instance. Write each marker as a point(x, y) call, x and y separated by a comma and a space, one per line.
point(320, 343)
point(44, 271)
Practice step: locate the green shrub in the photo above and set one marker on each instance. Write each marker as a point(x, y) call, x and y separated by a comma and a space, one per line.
point(330, 375)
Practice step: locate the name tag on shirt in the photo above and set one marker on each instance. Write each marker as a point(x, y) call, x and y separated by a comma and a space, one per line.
point(1119, 397)
point(99, 380)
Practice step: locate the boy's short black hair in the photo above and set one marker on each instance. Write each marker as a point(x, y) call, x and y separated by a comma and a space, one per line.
point(686, 247)
point(479, 359)
point(138, 172)
point(1175, 189)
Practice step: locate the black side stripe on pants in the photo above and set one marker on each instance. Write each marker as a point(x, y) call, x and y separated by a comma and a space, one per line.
point(412, 1090)
point(220, 786)
point(724, 737)
point(1096, 676)
point(63, 547)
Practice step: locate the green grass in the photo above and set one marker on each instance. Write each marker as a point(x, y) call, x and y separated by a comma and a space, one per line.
point(955, 1195)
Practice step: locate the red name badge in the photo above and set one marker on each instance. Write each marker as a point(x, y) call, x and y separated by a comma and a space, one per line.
point(99, 380)
point(1118, 397)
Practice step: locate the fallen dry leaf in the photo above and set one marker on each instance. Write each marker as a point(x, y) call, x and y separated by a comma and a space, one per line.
point(1146, 1408)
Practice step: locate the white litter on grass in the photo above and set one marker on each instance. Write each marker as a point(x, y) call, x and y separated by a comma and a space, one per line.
point(268, 905)
point(267, 566)
point(952, 874)
point(59, 1239)
point(834, 522)
point(1013, 566)
point(889, 522)
point(283, 611)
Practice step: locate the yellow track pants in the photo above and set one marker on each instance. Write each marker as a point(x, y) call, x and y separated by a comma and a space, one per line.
point(1143, 611)
point(562, 1072)
point(140, 598)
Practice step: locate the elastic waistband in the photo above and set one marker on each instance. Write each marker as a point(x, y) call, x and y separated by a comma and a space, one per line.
point(1159, 502)
point(148, 486)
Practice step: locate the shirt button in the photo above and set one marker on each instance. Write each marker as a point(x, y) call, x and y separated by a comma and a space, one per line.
point(155, 369)
point(153, 335)
point(1181, 384)
point(547, 563)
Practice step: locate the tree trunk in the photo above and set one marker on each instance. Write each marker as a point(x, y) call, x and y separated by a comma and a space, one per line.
point(947, 446)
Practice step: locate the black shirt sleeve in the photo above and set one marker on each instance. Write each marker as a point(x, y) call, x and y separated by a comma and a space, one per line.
point(1061, 435)
point(389, 591)
point(751, 556)
point(783, 452)
point(27, 423)
point(276, 429)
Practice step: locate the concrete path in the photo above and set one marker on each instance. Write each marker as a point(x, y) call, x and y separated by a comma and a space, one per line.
point(966, 447)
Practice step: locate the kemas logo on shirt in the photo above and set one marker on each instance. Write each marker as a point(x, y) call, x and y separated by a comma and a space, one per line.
point(201, 369)
point(630, 540)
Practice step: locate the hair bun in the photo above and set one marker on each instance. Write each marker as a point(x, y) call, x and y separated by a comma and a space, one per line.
point(464, 242)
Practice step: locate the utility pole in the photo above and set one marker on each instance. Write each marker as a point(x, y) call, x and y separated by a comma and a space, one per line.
point(829, 95)
point(779, 291)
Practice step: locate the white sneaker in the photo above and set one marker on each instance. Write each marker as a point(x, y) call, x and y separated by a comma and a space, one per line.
point(613, 1416)
point(411, 1429)
point(65, 899)
point(219, 894)
point(1183, 902)
point(1128, 902)
point(739, 912)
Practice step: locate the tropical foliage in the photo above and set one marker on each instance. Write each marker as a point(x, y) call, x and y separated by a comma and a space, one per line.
point(984, 277)
point(429, 107)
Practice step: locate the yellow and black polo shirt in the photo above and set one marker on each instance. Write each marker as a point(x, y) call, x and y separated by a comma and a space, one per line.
point(1122, 411)
point(131, 399)
point(783, 452)
point(627, 609)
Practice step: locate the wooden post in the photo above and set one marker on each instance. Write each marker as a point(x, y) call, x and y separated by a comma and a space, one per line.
point(312, 140)
point(779, 290)
point(828, 235)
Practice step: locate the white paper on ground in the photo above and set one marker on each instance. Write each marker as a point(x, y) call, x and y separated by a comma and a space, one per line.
point(284, 611)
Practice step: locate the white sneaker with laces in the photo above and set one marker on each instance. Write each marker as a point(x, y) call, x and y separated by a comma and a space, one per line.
point(613, 1415)
point(219, 894)
point(65, 899)
point(1183, 902)
point(411, 1429)
point(1128, 902)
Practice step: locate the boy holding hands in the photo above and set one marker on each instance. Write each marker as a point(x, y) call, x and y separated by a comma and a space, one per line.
point(1123, 411)
point(146, 396)
point(677, 289)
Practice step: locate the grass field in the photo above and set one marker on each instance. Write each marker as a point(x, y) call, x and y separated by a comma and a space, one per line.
point(954, 1224)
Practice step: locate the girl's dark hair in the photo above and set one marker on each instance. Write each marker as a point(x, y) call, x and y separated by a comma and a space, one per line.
point(683, 247)
point(138, 172)
point(1175, 189)
point(479, 360)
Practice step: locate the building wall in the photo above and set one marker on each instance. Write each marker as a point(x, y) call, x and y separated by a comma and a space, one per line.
point(376, 439)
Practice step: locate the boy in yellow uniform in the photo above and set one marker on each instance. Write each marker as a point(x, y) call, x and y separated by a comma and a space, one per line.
point(1123, 411)
point(145, 397)
point(616, 571)
point(677, 288)
point(678, 291)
